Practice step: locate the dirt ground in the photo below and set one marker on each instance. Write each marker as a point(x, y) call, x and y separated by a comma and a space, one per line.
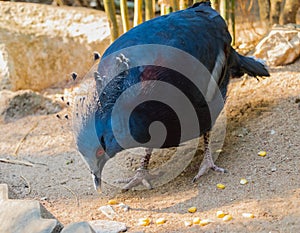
point(262, 115)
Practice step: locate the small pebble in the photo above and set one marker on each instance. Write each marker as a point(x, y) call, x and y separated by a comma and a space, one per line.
point(124, 207)
point(272, 132)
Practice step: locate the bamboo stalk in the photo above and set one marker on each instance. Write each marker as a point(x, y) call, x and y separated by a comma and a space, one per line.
point(169, 9)
point(138, 8)
point(175, 5)
point(110, 10)
point(149, 9)
point(162, 9)
point(215, 4)
point(183, 4)
point(124, 15)
point(224, 9)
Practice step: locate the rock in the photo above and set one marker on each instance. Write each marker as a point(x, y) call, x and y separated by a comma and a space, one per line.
point(15, 105)
point(79, 227)
point(40, 45)
point(5, 69)
point(103, 226)
point(23, 216)
point(281, 46)
point(97, 226)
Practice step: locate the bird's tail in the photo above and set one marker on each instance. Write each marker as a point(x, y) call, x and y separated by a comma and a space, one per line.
point(249, 65)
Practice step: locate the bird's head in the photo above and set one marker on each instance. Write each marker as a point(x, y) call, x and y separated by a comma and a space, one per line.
point(92, 150)
point(88, 134)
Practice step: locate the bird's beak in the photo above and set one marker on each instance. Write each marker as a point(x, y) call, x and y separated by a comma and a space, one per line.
point(97, 174)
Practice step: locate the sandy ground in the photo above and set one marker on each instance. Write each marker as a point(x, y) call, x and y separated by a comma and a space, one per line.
point(262, 115)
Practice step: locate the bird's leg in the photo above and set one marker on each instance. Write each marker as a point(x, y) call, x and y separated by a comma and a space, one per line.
point(208, 162)
point(142, 175)
point(146, 159)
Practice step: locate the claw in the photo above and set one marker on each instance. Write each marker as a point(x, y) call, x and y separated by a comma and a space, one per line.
point(205, 166)
point(208, 162)
point(142, 177)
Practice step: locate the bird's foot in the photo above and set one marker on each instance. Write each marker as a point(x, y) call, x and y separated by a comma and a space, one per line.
point(205, 166)
point(142, 177)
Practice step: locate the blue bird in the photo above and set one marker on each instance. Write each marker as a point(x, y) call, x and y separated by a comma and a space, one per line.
point(189, 51)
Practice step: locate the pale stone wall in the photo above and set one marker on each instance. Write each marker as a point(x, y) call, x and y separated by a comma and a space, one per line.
point(41, 45)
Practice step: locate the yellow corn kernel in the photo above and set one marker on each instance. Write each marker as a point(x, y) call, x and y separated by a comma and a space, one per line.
point(144, 221)
point(204, 222)
point(262, 153)
point(220, 186)
point(243, 181)
point(196, 220)
point(220, 214)
point(227, 218)
point(192, 209)
point(112, 202)
point(160, 221)
point(248, 215)
point(188, 223)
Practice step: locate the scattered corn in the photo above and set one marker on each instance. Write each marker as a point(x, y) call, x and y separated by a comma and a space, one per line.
point(205, 222)
point(227, 218)
point(262, 153)
point(192, 209)
point(243, 181)
point(196, 220)
point(188, 223)
point(112, 202)
point(248, 215)
point(219, 151)
point(220, 186)
point(160, 221)
point(220, 214)
point(144, 221)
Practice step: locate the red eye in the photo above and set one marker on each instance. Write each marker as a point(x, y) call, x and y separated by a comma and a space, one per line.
point(99, 152)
